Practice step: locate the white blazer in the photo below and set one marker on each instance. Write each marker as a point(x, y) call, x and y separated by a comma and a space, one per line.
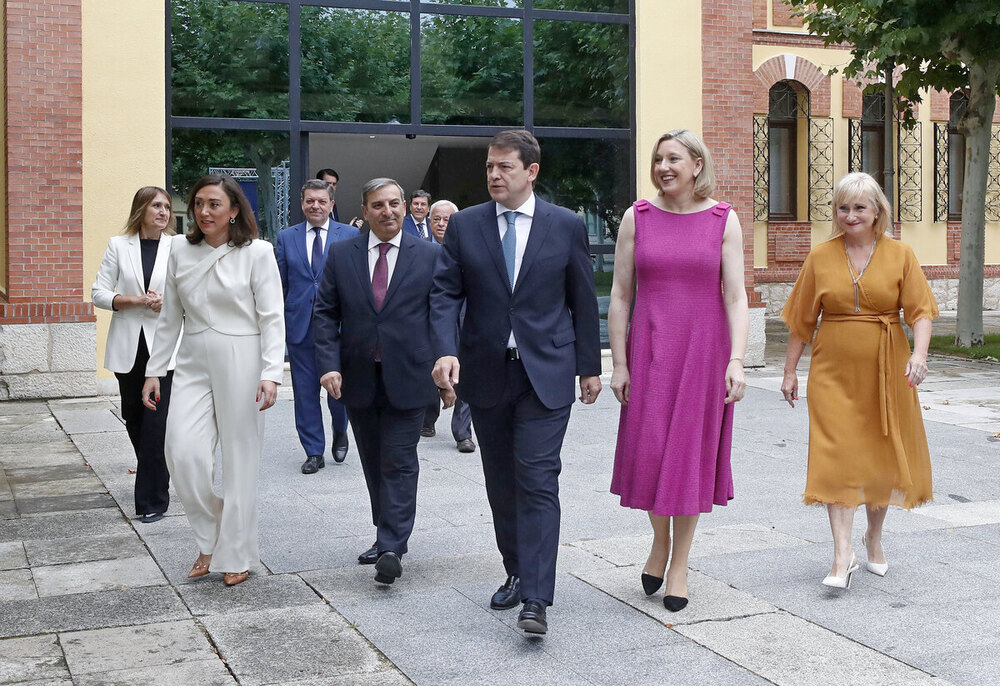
point(121, 274)
point(235, 291)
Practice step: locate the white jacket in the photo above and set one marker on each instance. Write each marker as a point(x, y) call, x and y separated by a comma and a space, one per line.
point(121, 274)
point(235, 291)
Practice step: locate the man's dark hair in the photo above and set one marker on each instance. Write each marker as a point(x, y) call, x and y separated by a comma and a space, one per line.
point(421, 193)
point(520, 141)
point(315, 185)
point(327, 172)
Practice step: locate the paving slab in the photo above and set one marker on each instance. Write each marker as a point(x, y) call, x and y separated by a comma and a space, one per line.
point(84, 485)
point(681, 663)
point(55, 551)
point(201, 673)
point(135, 647)
point(97, 575)
point(17, 584)
point(59, 450)
point(14, 407)
point(29, 428)
point(65, 503)
point(64, 524)
point(12, 555)
point(32, 658)
point(258, 593)
point(281, 645)
point(45, 473)
point(785, 649)
point(389, 676)
point(87, 421)
point(90, 611)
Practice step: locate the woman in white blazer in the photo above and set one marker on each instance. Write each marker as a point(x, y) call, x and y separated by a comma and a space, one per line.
point(225, 286)
point(130, 283)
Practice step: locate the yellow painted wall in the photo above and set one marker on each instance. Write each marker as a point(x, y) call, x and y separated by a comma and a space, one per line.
point(668, 76)
point(124, 130)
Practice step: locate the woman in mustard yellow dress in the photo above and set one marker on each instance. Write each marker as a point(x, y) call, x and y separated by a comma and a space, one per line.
point(866, 437)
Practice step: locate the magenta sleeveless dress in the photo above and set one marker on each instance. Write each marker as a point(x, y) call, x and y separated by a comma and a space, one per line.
point(675, 435)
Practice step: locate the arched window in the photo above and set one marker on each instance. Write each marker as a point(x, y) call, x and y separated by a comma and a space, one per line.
point(873, 136)
point(788, 106)
point(956, 156)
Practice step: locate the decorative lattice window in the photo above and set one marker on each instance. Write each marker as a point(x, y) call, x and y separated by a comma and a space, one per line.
point(820, 168)
point(910, 191)
point(760, 168)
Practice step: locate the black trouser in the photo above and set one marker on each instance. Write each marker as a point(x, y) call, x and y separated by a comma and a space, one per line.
point(145, 429)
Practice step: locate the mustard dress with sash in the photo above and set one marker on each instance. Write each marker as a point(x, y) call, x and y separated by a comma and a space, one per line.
point(866, 436)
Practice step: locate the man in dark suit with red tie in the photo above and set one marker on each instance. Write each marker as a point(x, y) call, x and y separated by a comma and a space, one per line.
point(522, 267)
point(373, 351)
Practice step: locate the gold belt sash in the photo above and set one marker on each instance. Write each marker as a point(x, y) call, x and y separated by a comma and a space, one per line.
point(886, 381)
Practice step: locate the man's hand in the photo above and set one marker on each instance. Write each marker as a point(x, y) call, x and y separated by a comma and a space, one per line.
point(448, 397)
point(446, 372)
point(331, 382)
point(590, 387)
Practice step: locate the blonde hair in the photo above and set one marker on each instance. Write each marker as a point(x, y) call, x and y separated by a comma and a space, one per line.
point(704, 183)
point(140, 201)
point(861, 185)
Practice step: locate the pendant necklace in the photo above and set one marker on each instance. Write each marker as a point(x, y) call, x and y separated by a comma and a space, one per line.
point(856, 278)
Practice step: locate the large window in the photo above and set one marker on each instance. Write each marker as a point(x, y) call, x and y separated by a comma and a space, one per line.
point(788, 108)
point(255, 84)
point(956, 156)
point(873, 136)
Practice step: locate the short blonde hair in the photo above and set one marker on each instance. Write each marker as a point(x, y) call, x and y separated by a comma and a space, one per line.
point(861, 185)
point(704, 183)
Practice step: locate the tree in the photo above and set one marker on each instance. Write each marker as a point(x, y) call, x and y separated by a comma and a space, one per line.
point(934, 44)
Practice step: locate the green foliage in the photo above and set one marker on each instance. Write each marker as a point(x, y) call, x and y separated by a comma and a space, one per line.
point(946, 344)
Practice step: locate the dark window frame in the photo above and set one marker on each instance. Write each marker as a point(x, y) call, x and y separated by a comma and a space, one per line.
point(786, 98)
point(958, 105)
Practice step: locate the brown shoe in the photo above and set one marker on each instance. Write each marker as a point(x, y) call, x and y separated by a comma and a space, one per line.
point(466, 445)
point(233, 578)
point(200, 568)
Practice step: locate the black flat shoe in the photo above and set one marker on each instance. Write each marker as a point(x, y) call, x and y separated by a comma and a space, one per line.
point(313, 464)
point(532, 618)
point(369, 557)
point(674, 603)
point(508, 595)
point(388, 568)
point(339, 448)
point(150, 517)
point(651, 584)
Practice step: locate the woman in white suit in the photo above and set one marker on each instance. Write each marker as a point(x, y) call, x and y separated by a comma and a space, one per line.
point(130, 283)
point(225, 286)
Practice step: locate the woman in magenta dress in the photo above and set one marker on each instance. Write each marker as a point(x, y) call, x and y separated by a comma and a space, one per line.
point(681, 368)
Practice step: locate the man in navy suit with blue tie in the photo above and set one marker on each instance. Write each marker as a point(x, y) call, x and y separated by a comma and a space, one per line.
point(301, 253)
point(522, 266)
point(416, 222)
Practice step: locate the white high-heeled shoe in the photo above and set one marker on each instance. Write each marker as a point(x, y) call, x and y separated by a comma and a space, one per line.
point(879, 569)
point(843, 581)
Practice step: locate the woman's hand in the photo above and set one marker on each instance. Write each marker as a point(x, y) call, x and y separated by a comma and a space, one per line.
point(268, 392)
point(736, 383)
point(916, 369)
point(151, 388)
point(790, 387)
point(620, 382)
point(154, 300)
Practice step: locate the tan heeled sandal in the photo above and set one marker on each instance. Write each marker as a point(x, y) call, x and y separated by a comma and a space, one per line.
point(233, 578)
point(200, 568)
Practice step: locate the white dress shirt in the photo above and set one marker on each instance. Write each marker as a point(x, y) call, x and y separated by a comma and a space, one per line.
point(390, 255)
point(311, 236)
point(526, 213)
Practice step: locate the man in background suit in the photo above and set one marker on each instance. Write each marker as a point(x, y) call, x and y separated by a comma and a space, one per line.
point(416, 222)
point(373, 351)
point(333, 178)
point(301, 253)
point(523, 268)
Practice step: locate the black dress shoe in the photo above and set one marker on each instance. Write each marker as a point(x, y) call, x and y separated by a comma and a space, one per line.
point(674, 603)
point(651, 584)
point(388, 568)
point(427, 431)
point(508, 595)
point(532, 618)
point(369, 557)
point(150, 517)
point(466, 446)
point(339, 448)
point(313, 464)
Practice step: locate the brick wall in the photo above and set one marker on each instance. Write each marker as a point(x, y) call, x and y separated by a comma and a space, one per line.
point(44, 159)
point(727, 112)
point(781, 15)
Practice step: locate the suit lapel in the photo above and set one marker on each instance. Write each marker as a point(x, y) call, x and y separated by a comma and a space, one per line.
point(540, 225)
point(300, 246)
point(491, 235)
point(156, 281)
point(135, 259)
point(404, 259)
point(359, 256)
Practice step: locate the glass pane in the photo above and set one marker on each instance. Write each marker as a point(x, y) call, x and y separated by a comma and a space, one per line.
point(956, 172)
point(873, 154)
point(619, 6)
point(472, 70)
point(781, 163)
point(581, 74)
point(355, 65)
point(229, 59)
point(490, 3)
point(257, 159)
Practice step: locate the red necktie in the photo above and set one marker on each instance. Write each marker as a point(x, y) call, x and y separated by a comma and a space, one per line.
point(380, 277)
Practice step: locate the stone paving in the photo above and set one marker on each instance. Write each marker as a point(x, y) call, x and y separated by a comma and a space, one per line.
point(90, 596)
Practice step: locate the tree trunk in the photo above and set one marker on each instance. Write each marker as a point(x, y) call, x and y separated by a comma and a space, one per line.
point(978, 124)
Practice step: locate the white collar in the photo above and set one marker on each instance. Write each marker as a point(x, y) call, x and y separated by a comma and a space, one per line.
point(373, 240)
point(527, 208)
point(325, 225)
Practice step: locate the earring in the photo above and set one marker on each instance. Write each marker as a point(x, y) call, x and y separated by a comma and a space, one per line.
point(232, 220)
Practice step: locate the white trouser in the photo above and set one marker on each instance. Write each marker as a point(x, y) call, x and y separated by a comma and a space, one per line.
point(213, 402)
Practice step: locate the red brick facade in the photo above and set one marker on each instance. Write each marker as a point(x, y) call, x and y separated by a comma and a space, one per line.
point(44, 164)
point(727, 112)
point(781, 15)
point(805, 72)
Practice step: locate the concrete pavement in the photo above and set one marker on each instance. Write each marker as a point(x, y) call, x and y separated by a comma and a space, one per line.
point(89, 596)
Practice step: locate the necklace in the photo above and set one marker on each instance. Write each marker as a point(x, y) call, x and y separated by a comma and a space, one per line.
point(856, 278)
